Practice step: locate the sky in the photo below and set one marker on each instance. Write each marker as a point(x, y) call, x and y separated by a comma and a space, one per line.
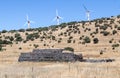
point(42, 12)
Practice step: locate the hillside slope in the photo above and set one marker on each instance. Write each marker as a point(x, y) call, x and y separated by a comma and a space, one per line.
point(90, 38)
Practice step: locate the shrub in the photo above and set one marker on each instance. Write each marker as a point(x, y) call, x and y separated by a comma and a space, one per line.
point(95, 40)
point(24, 41)
point(17, 35)
point(100, 21)
point(80, 38)
point(115, 45)
point(59, 41)
point(101, 52)
point(20, 48)
point(11, 38)
point(13, 31)
point(110, 41)
point(103, 27)
point(19, 38)
point(114, 32)
point(63, 25)
point(44, 44)
point(30, 29)
point(36, 46)
point(70, 37)
point(21, 30)
point(69, 41)
point(53, 37)
point(5, 42)
point(75, 31)
point(87, 39)
point(73, 41)
point(69, 49)
point(118, 28)
point(26, 33)
point(1, 48)
point(105, 33)
point(29, 37)
point(78, 32)
point(118, 16)
point(4, 31)
point(61, 33)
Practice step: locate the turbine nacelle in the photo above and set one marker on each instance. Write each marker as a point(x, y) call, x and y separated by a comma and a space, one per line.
point(57, 18)
point(87, 13)
point(28, 22)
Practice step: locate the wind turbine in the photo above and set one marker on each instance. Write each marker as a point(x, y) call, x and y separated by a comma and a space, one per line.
point(57, 18)
point(87, 13)
point(28, 22)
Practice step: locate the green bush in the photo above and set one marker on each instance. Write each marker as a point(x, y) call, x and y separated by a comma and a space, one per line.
point(36, 46)
point(53, 37)
point(17, 35)
point(1, 48)
point(20, 48)
point(115, 45)
point(19, 38)
point(95, 40)
point(11, 38)
point(5, 42)
point(110, 41)
point(103, 27)
point(24, 41)
point(4, 31)
point(70, 37)
point(32, 36)
point(118, 28)
point(114, 32)
point(105, 33)
point(69, 49)
point(21, 30)
point(87, 39)
point(69, 41)
point(80, 38)
point(73, 41)
point(59, 41)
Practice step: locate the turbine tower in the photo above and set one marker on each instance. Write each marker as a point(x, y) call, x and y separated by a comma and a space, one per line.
point(87, 13)
point(28, 22)
point(57, 18)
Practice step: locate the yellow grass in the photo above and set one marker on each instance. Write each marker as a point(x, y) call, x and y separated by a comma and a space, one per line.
point(60, 70)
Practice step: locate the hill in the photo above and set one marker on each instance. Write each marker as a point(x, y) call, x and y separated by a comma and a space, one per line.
point(96, 39)
point(92, 38)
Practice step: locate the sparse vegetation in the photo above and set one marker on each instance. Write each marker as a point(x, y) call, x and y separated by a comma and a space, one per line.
point(115, 45)
point(114, 32)
point(69, 49)
point(105, 33)
point(20, 48)
point(36, 46)
point(69, 41)
point(87, 39)
point(95, 40)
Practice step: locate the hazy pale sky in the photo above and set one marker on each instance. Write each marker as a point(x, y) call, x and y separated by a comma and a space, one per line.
point(42, 12)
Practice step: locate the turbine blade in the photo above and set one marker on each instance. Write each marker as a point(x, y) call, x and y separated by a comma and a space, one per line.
point(32, 21)
point(25, 24)
point(54, 19)
point(85, 8)
point(27, 17)
point(60, 17)
point(56, 12)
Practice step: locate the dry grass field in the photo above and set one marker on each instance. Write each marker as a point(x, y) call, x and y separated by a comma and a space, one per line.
point(76, 33)
point(60, 70)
